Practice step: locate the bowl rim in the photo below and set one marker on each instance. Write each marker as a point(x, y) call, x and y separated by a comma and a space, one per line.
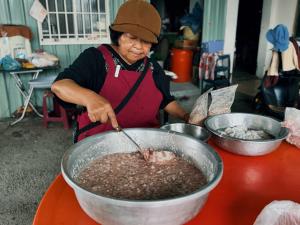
point(206, 131)
point(205, 189)
point(214, 132)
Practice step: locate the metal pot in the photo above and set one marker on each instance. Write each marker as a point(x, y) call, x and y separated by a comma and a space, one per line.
point(189, 129)
point(254, 121)
point(110, 211)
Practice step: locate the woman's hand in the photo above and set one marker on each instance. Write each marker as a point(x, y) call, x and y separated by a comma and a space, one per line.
point(99, 109)
point(186, 118)
point(174, 109)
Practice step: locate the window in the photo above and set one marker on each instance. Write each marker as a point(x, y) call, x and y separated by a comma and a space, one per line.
point(75, 22)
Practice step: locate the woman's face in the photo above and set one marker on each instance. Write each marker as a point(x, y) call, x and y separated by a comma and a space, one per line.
point(132, 48)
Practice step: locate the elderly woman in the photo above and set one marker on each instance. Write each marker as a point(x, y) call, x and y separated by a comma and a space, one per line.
point(117, 83)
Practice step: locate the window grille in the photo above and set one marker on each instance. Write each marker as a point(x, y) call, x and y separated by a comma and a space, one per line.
point(75, 22)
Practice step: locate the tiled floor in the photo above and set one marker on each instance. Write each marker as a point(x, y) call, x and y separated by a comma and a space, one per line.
point(248, 85)
point(247, 89)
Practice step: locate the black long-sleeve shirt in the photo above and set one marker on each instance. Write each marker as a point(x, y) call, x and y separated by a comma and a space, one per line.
point(89, 71)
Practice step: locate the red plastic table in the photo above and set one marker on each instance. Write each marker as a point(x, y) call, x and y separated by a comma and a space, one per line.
point(247, 185)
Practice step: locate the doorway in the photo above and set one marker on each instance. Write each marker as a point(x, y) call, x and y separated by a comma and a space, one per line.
point(247, 36)
point(297, 21)
point(172, 10)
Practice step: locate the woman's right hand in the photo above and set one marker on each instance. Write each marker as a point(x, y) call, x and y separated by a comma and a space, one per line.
point(99, 109)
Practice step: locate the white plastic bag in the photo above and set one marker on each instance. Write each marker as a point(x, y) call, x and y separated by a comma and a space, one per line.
point(292, 121)
point(279, 213)
point(199, 110)
point(44, 59)
point(212, 103)
point(221, 100)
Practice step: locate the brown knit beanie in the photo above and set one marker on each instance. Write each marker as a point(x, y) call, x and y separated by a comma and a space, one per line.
point(138, 18)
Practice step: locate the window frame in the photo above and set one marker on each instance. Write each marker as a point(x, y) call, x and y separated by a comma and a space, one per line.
point(74, 40)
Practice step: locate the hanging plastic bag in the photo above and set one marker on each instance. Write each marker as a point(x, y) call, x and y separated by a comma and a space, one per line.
point(199, 110)
point(292, 122)
point(279, 213)
point(222, 100)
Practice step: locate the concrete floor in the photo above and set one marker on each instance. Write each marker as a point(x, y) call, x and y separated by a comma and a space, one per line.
point(31, 155)
point(30, 159)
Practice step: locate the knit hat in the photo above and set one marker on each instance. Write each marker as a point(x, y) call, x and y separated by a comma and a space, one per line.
point(138, 18)
point(279, 37)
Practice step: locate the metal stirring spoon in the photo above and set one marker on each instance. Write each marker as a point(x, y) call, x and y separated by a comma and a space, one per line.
point(150, 155)
point(120, 129)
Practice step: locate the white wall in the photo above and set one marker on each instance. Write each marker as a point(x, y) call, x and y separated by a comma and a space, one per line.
point(232, 9)
point(274, 12)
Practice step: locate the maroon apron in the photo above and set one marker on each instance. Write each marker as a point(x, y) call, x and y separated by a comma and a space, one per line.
point(142, 108)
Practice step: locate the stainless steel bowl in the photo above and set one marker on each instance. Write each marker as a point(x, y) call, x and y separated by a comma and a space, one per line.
point(189, 129)
point(253, 121)
point(111, 211)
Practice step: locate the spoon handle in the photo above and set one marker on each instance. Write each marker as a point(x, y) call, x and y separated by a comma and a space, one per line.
point(119, 129)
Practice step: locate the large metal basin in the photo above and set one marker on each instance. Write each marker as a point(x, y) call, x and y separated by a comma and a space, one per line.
point(254, 121)
point(109, 211)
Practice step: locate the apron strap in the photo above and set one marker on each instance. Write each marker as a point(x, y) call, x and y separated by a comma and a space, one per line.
point(119, 107)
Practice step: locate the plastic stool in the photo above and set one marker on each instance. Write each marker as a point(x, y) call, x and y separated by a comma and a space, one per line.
point(59, 111)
